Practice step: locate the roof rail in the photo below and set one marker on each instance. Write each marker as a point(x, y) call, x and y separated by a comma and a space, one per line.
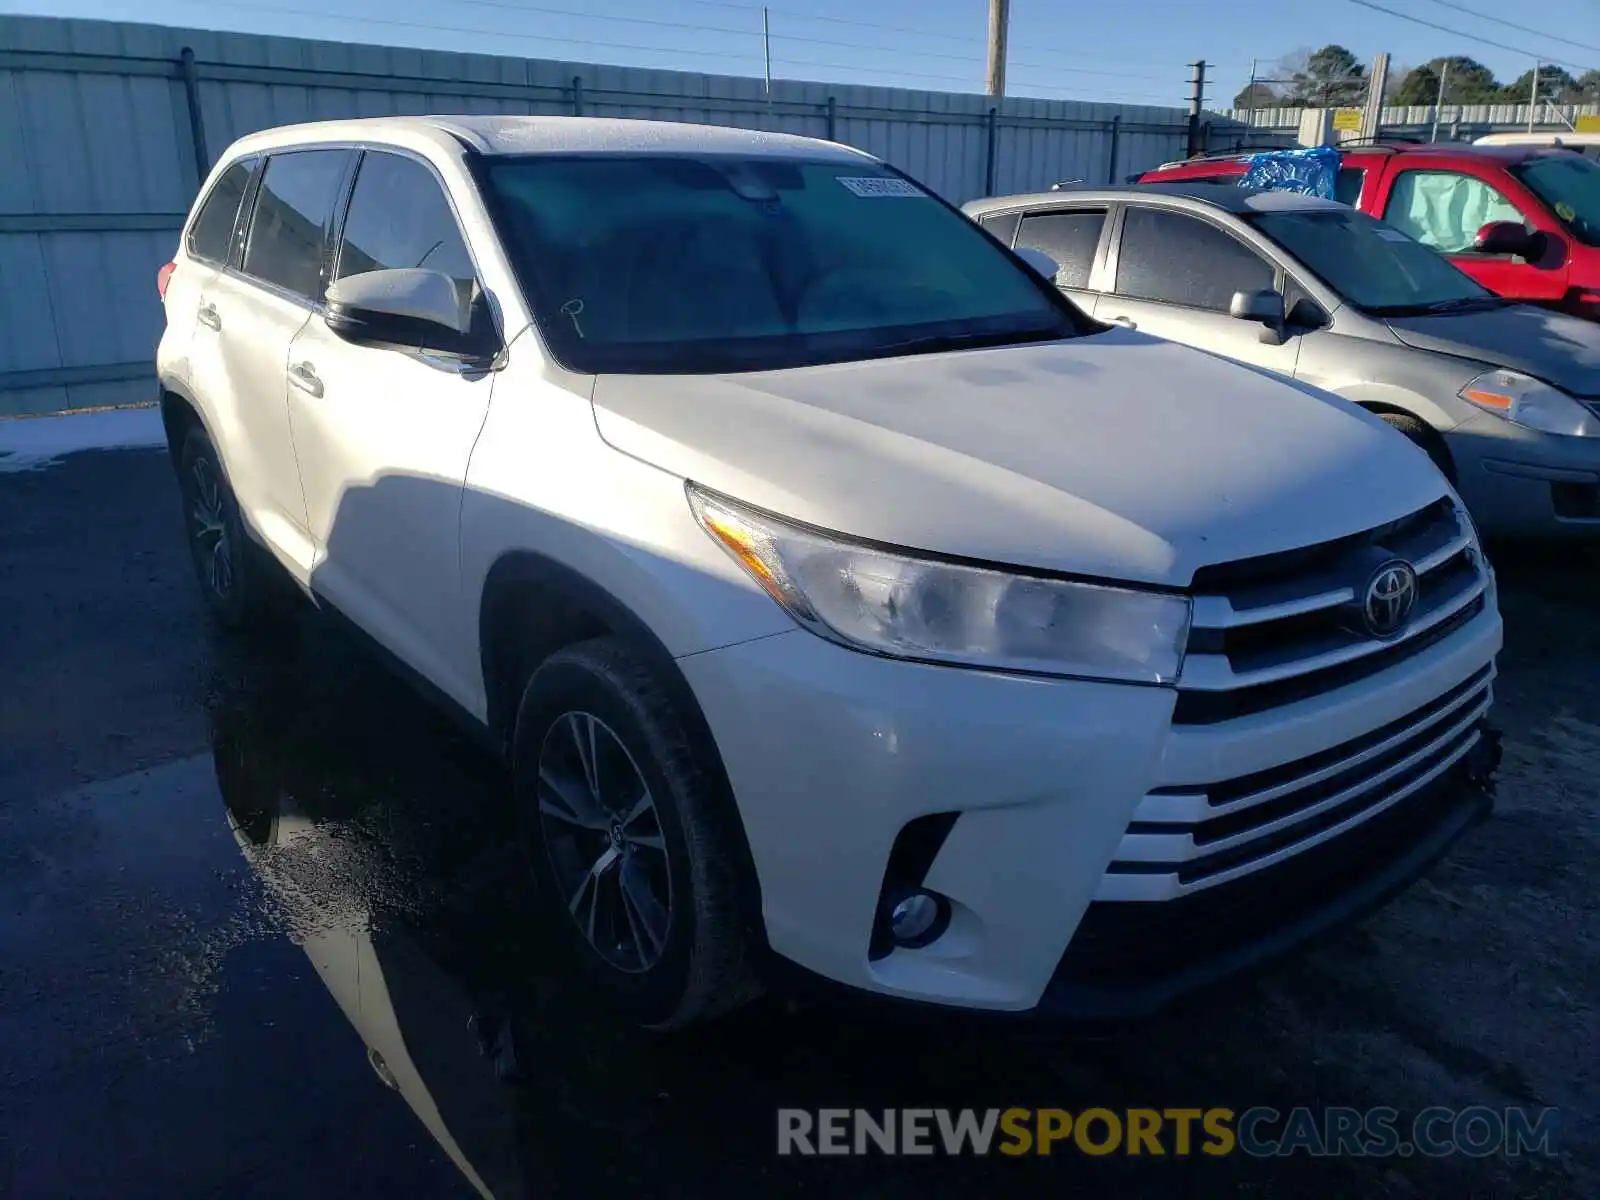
point(1382, 141)
point(1220, 155)
point(1234, 152)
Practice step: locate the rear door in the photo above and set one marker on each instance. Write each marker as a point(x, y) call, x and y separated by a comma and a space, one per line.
point(1444, 206)
point(253, 311)
point(384, 435)
point(208, 244)
point(1072, 237)
point(1174, 276)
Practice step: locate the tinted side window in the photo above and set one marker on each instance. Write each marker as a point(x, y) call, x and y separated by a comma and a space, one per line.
point(1347, 188)
point(1181, 260)
point(212, 232)
point(1003, 226)
point(399, 217)
point(1445, 209)
point(288, 227)
point(1068, 237)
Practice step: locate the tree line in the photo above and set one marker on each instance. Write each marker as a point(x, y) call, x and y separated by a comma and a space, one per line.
point(1333, 77)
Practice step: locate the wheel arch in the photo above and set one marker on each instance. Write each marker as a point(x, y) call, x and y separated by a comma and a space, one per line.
point(1402, 402)
point(533, 606)
point(180, 412)
point(1437, 448)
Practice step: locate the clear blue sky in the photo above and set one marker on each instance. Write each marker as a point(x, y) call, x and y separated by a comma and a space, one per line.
point(1134, 51)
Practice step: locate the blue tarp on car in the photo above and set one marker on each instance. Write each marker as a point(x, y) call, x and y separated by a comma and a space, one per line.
point(1310, 172)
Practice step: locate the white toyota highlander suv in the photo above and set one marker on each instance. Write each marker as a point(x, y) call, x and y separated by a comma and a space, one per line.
point(842, 597)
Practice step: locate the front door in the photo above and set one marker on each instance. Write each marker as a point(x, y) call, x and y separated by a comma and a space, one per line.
point(1175, 277)
point(384, 437)
point(1445, 209)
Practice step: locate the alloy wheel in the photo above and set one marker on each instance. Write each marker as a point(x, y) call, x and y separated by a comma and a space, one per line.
point(602, 833)
point(208, 528)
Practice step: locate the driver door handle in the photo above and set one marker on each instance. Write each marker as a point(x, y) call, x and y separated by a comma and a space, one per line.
point(304, 376)
point(208, 315)
point(1125, 322)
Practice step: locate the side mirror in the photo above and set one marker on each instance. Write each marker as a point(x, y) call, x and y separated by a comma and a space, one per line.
point(1509, 237)
point(410, 308)
point(1265, 308)
point(1040, 262)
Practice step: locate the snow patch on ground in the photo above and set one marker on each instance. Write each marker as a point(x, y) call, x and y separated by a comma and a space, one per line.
point(27, 443)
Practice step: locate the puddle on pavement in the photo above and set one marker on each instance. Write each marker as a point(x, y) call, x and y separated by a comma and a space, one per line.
point(341, 842)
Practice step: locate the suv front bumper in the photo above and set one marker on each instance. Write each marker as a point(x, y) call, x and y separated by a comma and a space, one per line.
point(1132, 959)
point(832, 754)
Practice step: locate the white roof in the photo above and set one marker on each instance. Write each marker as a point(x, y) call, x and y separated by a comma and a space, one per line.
point(556, 135)
point(1562, 137)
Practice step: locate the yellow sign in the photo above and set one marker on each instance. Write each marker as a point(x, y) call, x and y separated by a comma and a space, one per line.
point(1587, 125)
point(1347, 120)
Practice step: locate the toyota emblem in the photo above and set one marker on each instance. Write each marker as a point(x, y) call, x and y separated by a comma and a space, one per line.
point(1390, 596)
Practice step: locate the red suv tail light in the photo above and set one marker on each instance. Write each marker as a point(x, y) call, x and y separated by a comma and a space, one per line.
point(163, 276)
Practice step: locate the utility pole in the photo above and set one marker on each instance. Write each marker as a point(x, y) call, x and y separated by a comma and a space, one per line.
point(999, 26)
point(1533, 95)
point(766, 51)
point(1377, 84)
point(1444, 74)
point(1197, 100)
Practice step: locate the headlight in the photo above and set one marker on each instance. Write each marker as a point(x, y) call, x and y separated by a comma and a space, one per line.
point(1524, 400)
point(918, 608)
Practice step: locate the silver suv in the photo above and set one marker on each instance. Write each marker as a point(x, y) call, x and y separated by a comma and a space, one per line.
point(1504, 397)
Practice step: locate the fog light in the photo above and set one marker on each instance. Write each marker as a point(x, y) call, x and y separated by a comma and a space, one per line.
point(917, 919)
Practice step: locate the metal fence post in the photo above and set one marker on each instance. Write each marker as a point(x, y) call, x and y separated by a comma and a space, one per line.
point(577, 95)
point(1111, 163)
point(833, 119)
point(989, 153)
point(197, 125)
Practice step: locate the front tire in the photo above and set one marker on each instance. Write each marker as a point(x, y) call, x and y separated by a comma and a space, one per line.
point(238, 580)
point(634, 850)
point(1424, 437)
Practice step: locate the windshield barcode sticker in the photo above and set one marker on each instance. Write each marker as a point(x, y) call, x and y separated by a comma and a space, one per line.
point(877, 185)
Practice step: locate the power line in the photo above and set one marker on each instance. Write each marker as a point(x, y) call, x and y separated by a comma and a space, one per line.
point(353, 19)
point(1483, 16)
point(543, 39)
point(1471, 37)
point(927, 33)
point(971, 81)
point(790, 37)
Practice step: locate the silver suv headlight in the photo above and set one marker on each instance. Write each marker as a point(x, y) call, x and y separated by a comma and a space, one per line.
point(1532, 403)
point(897, 604)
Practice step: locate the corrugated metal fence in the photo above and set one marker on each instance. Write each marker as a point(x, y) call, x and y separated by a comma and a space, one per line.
point(1456, 121)
point(105, 129)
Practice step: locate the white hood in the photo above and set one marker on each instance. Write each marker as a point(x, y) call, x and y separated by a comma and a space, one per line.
point(1115, 455)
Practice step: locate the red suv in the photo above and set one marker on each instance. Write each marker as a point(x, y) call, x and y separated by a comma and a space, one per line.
point(1524, 221)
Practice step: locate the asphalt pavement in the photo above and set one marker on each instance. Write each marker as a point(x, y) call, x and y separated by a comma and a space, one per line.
point(262, 933)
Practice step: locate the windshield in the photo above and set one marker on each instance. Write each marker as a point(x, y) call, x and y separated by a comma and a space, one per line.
point(1569, 185)
point(1372, 265)
point(661, 264)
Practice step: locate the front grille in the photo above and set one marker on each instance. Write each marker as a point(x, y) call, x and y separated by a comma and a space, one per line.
point(1272, 630)
point(1184, 839)
point(1128, 944)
